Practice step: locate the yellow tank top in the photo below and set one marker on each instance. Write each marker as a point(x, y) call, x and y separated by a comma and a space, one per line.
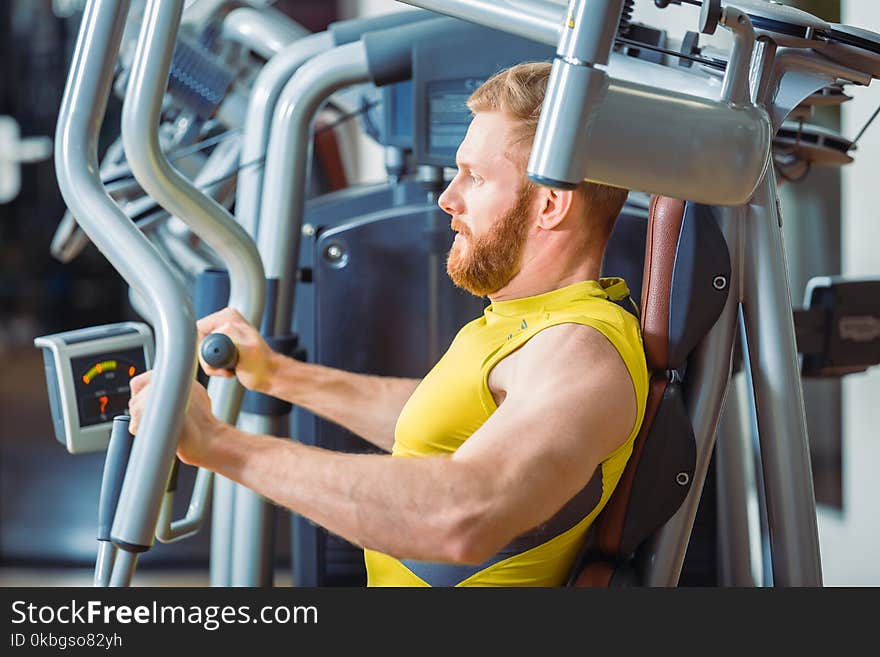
point(454, 400)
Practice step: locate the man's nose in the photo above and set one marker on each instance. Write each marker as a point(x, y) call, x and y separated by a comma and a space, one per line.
point(449, 201)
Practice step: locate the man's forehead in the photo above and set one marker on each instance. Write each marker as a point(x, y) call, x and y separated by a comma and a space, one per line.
point(488, 138)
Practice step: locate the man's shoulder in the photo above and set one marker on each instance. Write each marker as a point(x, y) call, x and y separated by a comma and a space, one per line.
point(577, 371)
point(567, 344)
point(568, 352)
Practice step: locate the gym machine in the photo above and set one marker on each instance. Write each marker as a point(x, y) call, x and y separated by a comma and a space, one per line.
point(793, 54)
point(731, 121)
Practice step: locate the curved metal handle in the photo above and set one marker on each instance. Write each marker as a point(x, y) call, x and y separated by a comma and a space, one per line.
point(138, 262)
point(209, 220)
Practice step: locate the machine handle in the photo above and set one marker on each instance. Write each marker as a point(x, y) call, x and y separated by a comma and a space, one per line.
point(115, 464)
point(219, 351)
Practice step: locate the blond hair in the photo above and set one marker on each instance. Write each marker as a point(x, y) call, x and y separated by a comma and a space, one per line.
point(519, 92)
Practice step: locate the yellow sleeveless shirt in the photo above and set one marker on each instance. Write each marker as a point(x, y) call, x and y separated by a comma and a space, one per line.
point(454, 400)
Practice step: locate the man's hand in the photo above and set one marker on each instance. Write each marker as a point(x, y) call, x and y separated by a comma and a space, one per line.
point(199, 424)
point(255, 359)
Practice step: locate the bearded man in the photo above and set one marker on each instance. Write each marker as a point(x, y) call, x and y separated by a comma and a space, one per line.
point(503, 455)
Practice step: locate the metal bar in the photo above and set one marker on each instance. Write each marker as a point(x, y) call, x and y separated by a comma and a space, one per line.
point(264, 31)
point(222, 523)
point(282, 208)
point(137, 261)
point(104, 563)
point(739, 526)
point(735, 88)
point(123, 568)
point(576, 91)
point(141, 113)
point(252, 548)
point(264, 95)
point(239, 529)
point(287, 162)
point(542, 23)
point(782, 428)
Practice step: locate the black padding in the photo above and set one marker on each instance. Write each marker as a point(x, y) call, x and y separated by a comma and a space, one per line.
point(625, 253)
point(211, 292)
point(270, 309)
point(256, 403)
point(702, 262)
point(668, 458)
point(389, 52)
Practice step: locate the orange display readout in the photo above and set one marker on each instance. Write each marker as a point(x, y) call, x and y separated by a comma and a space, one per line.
point(98, 368)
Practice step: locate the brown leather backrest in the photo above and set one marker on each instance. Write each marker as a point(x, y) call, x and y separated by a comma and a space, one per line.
point(622, 524)
point(665, 218)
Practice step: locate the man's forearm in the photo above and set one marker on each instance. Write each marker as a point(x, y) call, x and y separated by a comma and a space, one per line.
point(364, 404)
point(358, 496)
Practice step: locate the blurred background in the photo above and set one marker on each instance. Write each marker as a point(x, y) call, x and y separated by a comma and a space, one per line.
point(48, 497)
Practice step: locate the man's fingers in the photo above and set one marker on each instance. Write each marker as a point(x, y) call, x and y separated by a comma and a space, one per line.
point(134, 410)
point(213, 371)
point(212, 323)
point(141, 381)
point(139, 386)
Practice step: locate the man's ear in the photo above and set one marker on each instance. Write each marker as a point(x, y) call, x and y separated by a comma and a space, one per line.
point(555, 205)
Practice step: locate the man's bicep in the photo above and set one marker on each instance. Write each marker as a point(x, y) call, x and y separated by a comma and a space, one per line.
point(569, 408)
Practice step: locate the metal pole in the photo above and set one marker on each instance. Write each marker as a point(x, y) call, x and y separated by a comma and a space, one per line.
point(130, 253)
point(539, 21)
point(264, 31)
point(782, 428)
point(287, 164)
point(739, 525)
point(264, 95)
point(575, 91)
point(208, 219)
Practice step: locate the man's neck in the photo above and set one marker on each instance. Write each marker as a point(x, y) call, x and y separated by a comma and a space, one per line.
point(536, 278)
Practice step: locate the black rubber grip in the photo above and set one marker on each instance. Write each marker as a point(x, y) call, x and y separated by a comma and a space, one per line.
point(219, 351)
point(115, 465)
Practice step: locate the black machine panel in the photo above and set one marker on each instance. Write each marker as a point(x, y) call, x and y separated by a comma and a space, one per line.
point(442, 83)
point(382, 304)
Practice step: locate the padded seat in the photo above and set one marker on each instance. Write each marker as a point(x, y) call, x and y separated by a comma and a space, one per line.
point(684, 289)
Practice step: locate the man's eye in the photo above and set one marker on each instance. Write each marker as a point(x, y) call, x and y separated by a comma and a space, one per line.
point(476, 179)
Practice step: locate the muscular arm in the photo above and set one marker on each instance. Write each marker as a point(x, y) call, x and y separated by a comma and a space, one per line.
point(569, 403)
point(364, 404)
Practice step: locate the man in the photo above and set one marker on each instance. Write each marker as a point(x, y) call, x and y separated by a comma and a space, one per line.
point(504, 454)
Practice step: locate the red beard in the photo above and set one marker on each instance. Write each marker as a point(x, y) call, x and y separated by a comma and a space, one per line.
point(489, 262)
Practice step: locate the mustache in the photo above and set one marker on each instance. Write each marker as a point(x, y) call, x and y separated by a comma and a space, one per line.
point(460, 227)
